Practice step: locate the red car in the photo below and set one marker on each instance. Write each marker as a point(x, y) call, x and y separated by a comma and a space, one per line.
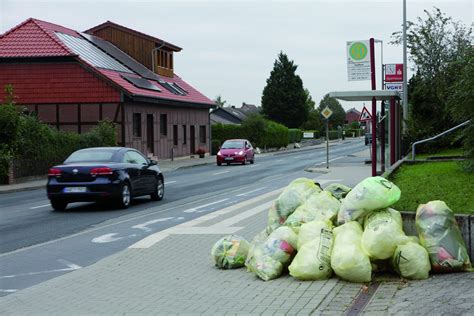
point(236, 151)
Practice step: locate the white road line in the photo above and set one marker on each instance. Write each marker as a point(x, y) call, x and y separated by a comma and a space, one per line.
point(144, 227)
point(71, 267)
point(170, 182)
point(242, 194)
point(106, 238)
point(218, 173)
point(336, 158)
point(40, 206)
point(9, 291)
point(279, 160)
point(194, 209)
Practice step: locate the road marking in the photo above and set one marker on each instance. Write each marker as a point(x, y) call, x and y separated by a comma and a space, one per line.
point(40, 206)
point(279, 160)
point(144, 227)
point(9, 291)
point(219, 228)
point(106, 238)
point(218, 173)
point(170, 182)
point(242, 194)
point(336, 158)
point(194, 209)
point(70, 267)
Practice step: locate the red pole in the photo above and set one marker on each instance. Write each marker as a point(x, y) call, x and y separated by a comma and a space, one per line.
point(392, 131)
point(374, 110)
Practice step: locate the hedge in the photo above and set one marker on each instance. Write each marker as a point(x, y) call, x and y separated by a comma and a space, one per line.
point(355, 131)
point(294, 135)
point(35, 141)
point(259, 131)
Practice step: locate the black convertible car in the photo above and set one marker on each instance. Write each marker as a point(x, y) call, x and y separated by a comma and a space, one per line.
point(104, 173)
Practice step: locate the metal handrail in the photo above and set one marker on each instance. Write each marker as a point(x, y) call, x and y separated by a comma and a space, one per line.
point(435, 137)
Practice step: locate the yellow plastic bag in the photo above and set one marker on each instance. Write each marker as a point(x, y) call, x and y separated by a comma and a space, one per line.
point(348, 260)
point(411, 261)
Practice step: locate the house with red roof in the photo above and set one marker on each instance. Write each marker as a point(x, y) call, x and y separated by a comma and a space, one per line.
point(352, 115)
point(73, 80)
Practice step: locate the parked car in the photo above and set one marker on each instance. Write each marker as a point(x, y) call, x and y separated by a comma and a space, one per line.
point(368, 138)
point(117, 174)
point(236, 151)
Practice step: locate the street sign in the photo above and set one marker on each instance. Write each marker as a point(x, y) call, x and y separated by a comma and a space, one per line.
point(365, 115)
point(394, 86)
point(326, 112)
point(393, 72)
point(358, 61)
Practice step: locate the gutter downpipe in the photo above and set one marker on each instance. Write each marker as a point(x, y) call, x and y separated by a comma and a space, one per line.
point(435, 137)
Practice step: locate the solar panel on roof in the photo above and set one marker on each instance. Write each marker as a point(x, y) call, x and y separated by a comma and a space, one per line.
point(124, 58)
point(171, 88)
point(141, 83)
point(91, 53)
point(177, 86)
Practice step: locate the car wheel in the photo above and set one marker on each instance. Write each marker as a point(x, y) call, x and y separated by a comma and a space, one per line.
point(58, 205)
point(125, 196)
point(159, 191)
point(219, 163)
point(228, 163)
point(253, 160)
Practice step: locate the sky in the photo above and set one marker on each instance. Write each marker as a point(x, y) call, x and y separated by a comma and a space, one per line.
point(229, 47)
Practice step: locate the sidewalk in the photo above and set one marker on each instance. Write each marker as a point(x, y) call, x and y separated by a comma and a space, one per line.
point(165, 166)
point(171, 272)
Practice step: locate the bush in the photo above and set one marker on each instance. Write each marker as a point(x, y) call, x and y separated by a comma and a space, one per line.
point(357, 132)
point(332, 134)
point(294, 135)
point(259, 131)
point(215, 146)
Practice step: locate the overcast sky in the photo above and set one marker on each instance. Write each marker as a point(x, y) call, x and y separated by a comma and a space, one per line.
point(229, 47)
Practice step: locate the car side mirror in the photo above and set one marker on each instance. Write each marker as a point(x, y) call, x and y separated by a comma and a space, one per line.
point(153, 162)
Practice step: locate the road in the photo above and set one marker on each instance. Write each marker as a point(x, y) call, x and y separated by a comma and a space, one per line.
point(38, 243)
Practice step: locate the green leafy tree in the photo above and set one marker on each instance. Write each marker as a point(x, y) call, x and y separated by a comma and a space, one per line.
point(338, 116)
point(461, 105)
point(284, 99)
point(436, 45)
point(219, 101)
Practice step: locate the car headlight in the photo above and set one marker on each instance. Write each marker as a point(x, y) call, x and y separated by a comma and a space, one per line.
point(241, 152)
point(219, 153)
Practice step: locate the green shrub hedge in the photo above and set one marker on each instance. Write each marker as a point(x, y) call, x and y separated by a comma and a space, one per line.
point(356, 132)
point(33, 140)
point(260, 132)
point(294, 135)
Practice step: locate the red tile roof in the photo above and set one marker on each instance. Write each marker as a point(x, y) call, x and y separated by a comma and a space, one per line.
point(33, 38)
point(193, 95)
point(36, 38)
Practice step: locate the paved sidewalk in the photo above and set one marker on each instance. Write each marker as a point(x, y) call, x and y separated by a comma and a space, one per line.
point(171, 272)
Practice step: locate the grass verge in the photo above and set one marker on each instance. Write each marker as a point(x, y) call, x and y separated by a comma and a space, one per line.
point(424, 182)
point(442, 153)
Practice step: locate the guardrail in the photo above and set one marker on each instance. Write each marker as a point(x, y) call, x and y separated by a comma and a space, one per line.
point(435, 137)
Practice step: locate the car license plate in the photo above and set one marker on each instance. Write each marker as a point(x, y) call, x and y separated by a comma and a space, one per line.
point(75, 190)
point(228, 158)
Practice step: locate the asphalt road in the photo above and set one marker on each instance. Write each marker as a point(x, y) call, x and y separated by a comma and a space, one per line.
point(38, 243)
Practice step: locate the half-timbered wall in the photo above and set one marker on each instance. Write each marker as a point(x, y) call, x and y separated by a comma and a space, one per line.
point(163, 145)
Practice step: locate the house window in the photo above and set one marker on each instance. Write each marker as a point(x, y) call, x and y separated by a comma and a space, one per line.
point(137, 125)
point(163, 125)
point(202, 134)
point(184, 135)
point(175, 135)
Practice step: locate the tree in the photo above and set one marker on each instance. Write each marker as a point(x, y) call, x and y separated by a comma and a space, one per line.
point(461, 106)
point(284, 99)
point(219, 101)
point(436, 46)
point(338, 116)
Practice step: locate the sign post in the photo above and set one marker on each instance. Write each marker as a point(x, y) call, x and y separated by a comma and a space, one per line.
point(358, 60)
point(327, 112)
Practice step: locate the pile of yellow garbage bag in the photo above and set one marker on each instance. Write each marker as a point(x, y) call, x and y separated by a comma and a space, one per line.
point(313, 233)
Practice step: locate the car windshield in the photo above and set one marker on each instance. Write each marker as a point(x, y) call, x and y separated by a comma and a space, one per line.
point(90, 155)
point(233, 145)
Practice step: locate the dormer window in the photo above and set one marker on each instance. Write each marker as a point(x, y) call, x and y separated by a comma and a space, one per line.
point(165, 59)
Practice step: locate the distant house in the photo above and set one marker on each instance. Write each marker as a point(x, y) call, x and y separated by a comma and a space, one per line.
point(72, 80)
point(233, 115)
point(352, 115)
